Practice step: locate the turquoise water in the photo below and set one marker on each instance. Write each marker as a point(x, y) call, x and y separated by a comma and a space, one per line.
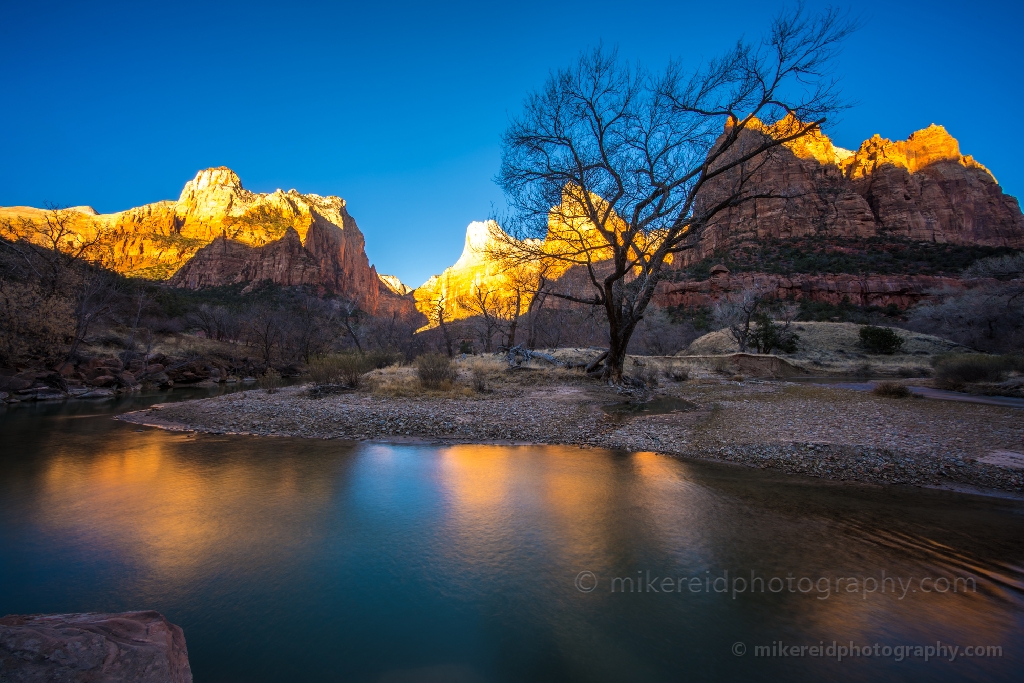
point(300, 560)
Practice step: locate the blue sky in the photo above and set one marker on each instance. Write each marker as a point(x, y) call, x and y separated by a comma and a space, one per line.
point(399, 107)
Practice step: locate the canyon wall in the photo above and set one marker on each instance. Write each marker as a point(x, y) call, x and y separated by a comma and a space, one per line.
point(921, 188)
point(219, 233)
point(861, 290)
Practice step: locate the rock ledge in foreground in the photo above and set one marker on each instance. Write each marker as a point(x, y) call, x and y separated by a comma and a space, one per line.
point(141, 647)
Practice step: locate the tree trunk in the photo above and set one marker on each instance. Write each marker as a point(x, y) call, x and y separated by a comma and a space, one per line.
point(618, 342)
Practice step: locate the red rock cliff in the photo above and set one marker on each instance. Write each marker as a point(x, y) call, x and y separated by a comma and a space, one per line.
point(921, 188)
point(218, 233)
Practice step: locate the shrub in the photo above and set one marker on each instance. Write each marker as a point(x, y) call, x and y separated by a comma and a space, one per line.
point(271, 381)
point(381, 359)
point(863, 370)
point(953, 371)
point(339, 371)
point(891, 390)
point(768, 335)
point(479, 379)
point(435, 370)
point(913, 371)
point(880, 339)
point(647, 376)
point(678, 374)
point(33, 326)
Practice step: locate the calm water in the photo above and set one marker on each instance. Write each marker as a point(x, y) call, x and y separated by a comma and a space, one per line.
point(286, 559)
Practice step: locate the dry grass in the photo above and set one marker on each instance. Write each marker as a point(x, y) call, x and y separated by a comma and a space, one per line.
point(473, 376)
point(188, 344)
point(957, 371)
point(404, 382)
point(436, 371)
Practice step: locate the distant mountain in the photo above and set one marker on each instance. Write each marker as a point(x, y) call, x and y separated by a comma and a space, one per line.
point(848, 211)
point(395, 285)
point(219, 233)
point(921, 189)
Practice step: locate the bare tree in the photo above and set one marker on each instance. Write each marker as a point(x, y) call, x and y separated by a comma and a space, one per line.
point(216, 322)
point(392, 332)
point(61, 241)
point(484, 307)
point(987, 318)
point(93, 295)
point(349, 316)
point(1009, 267)
point(140, 301)
point(637, 166)
point(266, 330)
point(737, 315)
point(438, 318)
point(315, 326)
point(522, 293)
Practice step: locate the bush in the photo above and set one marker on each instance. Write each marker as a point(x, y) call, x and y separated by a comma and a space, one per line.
point(678, 374)
point(880, 339)
point(339, 371)
point(721, 365)
point(913, 371)
point(435, 370)
point(646, 376)
point(271, 381)
point(953, 371)
point(768, 335)
point(381, 359)
point(479, 379)
point(891, 390)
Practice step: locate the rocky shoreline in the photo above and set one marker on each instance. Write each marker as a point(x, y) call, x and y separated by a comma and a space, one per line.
point(815, 431)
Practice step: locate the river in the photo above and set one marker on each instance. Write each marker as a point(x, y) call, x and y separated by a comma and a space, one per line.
point(289, 559)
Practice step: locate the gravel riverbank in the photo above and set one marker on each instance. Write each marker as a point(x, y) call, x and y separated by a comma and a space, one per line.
point(817, 431)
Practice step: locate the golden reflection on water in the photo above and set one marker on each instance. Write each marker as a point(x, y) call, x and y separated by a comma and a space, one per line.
point(144, 496)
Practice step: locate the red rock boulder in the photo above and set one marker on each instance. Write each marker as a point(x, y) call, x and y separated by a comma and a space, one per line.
point(141, 647)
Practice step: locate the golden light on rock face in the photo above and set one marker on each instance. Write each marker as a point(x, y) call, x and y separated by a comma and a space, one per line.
point(156, 239)
point(923, 148)
point(572, 239)
point(492, 263)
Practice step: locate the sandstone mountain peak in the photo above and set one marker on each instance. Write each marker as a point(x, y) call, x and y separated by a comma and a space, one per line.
point(921, 149)
point(395, 285)
point(219, 233)
point(219, 175)
point(478, 240)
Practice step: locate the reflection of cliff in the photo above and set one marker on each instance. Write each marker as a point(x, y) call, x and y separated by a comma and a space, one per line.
point(146, 497)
